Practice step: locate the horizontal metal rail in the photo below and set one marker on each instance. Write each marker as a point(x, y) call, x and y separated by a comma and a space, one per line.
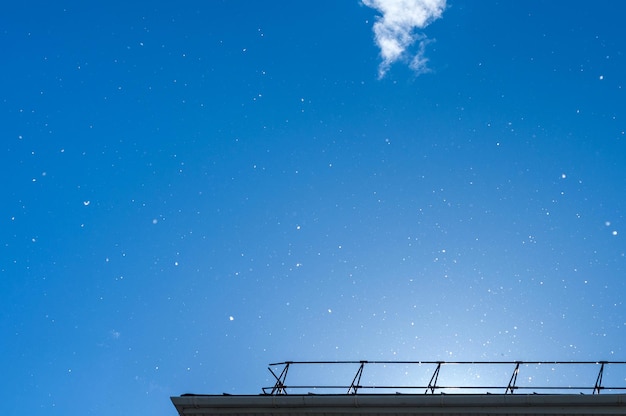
point(530, 369)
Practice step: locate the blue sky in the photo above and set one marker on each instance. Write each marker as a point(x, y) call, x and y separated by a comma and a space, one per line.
point(193, 190)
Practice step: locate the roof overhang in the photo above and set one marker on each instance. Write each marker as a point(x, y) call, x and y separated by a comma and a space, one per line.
point(401, 404)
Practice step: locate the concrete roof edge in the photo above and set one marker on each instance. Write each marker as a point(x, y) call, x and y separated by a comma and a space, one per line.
point(347, 402)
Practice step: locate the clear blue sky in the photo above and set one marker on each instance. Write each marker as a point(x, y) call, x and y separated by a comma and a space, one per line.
point(192, 190)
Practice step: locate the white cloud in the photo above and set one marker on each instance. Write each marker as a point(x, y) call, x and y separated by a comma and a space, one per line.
point(395, 30)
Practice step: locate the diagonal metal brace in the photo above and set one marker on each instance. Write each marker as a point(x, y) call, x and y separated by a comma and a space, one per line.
point(598, 386)
point(432, 384)
point(356, 381)
point(279, 386)
point(511, 387)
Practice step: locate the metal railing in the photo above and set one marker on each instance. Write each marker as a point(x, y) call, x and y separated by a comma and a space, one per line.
point(459, 377)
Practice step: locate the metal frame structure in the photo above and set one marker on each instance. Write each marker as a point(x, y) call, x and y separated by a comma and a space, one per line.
point(280, 386)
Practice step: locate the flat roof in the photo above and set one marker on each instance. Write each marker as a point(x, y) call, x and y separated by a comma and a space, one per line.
point(400, 404)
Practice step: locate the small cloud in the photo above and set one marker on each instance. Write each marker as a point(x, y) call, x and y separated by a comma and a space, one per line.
point(419, 61)
point(395, 30)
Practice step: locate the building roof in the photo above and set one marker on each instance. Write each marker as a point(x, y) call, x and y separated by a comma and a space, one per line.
point(400, 404)
point(574, 392)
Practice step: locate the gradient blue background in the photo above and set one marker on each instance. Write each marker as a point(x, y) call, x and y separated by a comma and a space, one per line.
point(192, 190)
